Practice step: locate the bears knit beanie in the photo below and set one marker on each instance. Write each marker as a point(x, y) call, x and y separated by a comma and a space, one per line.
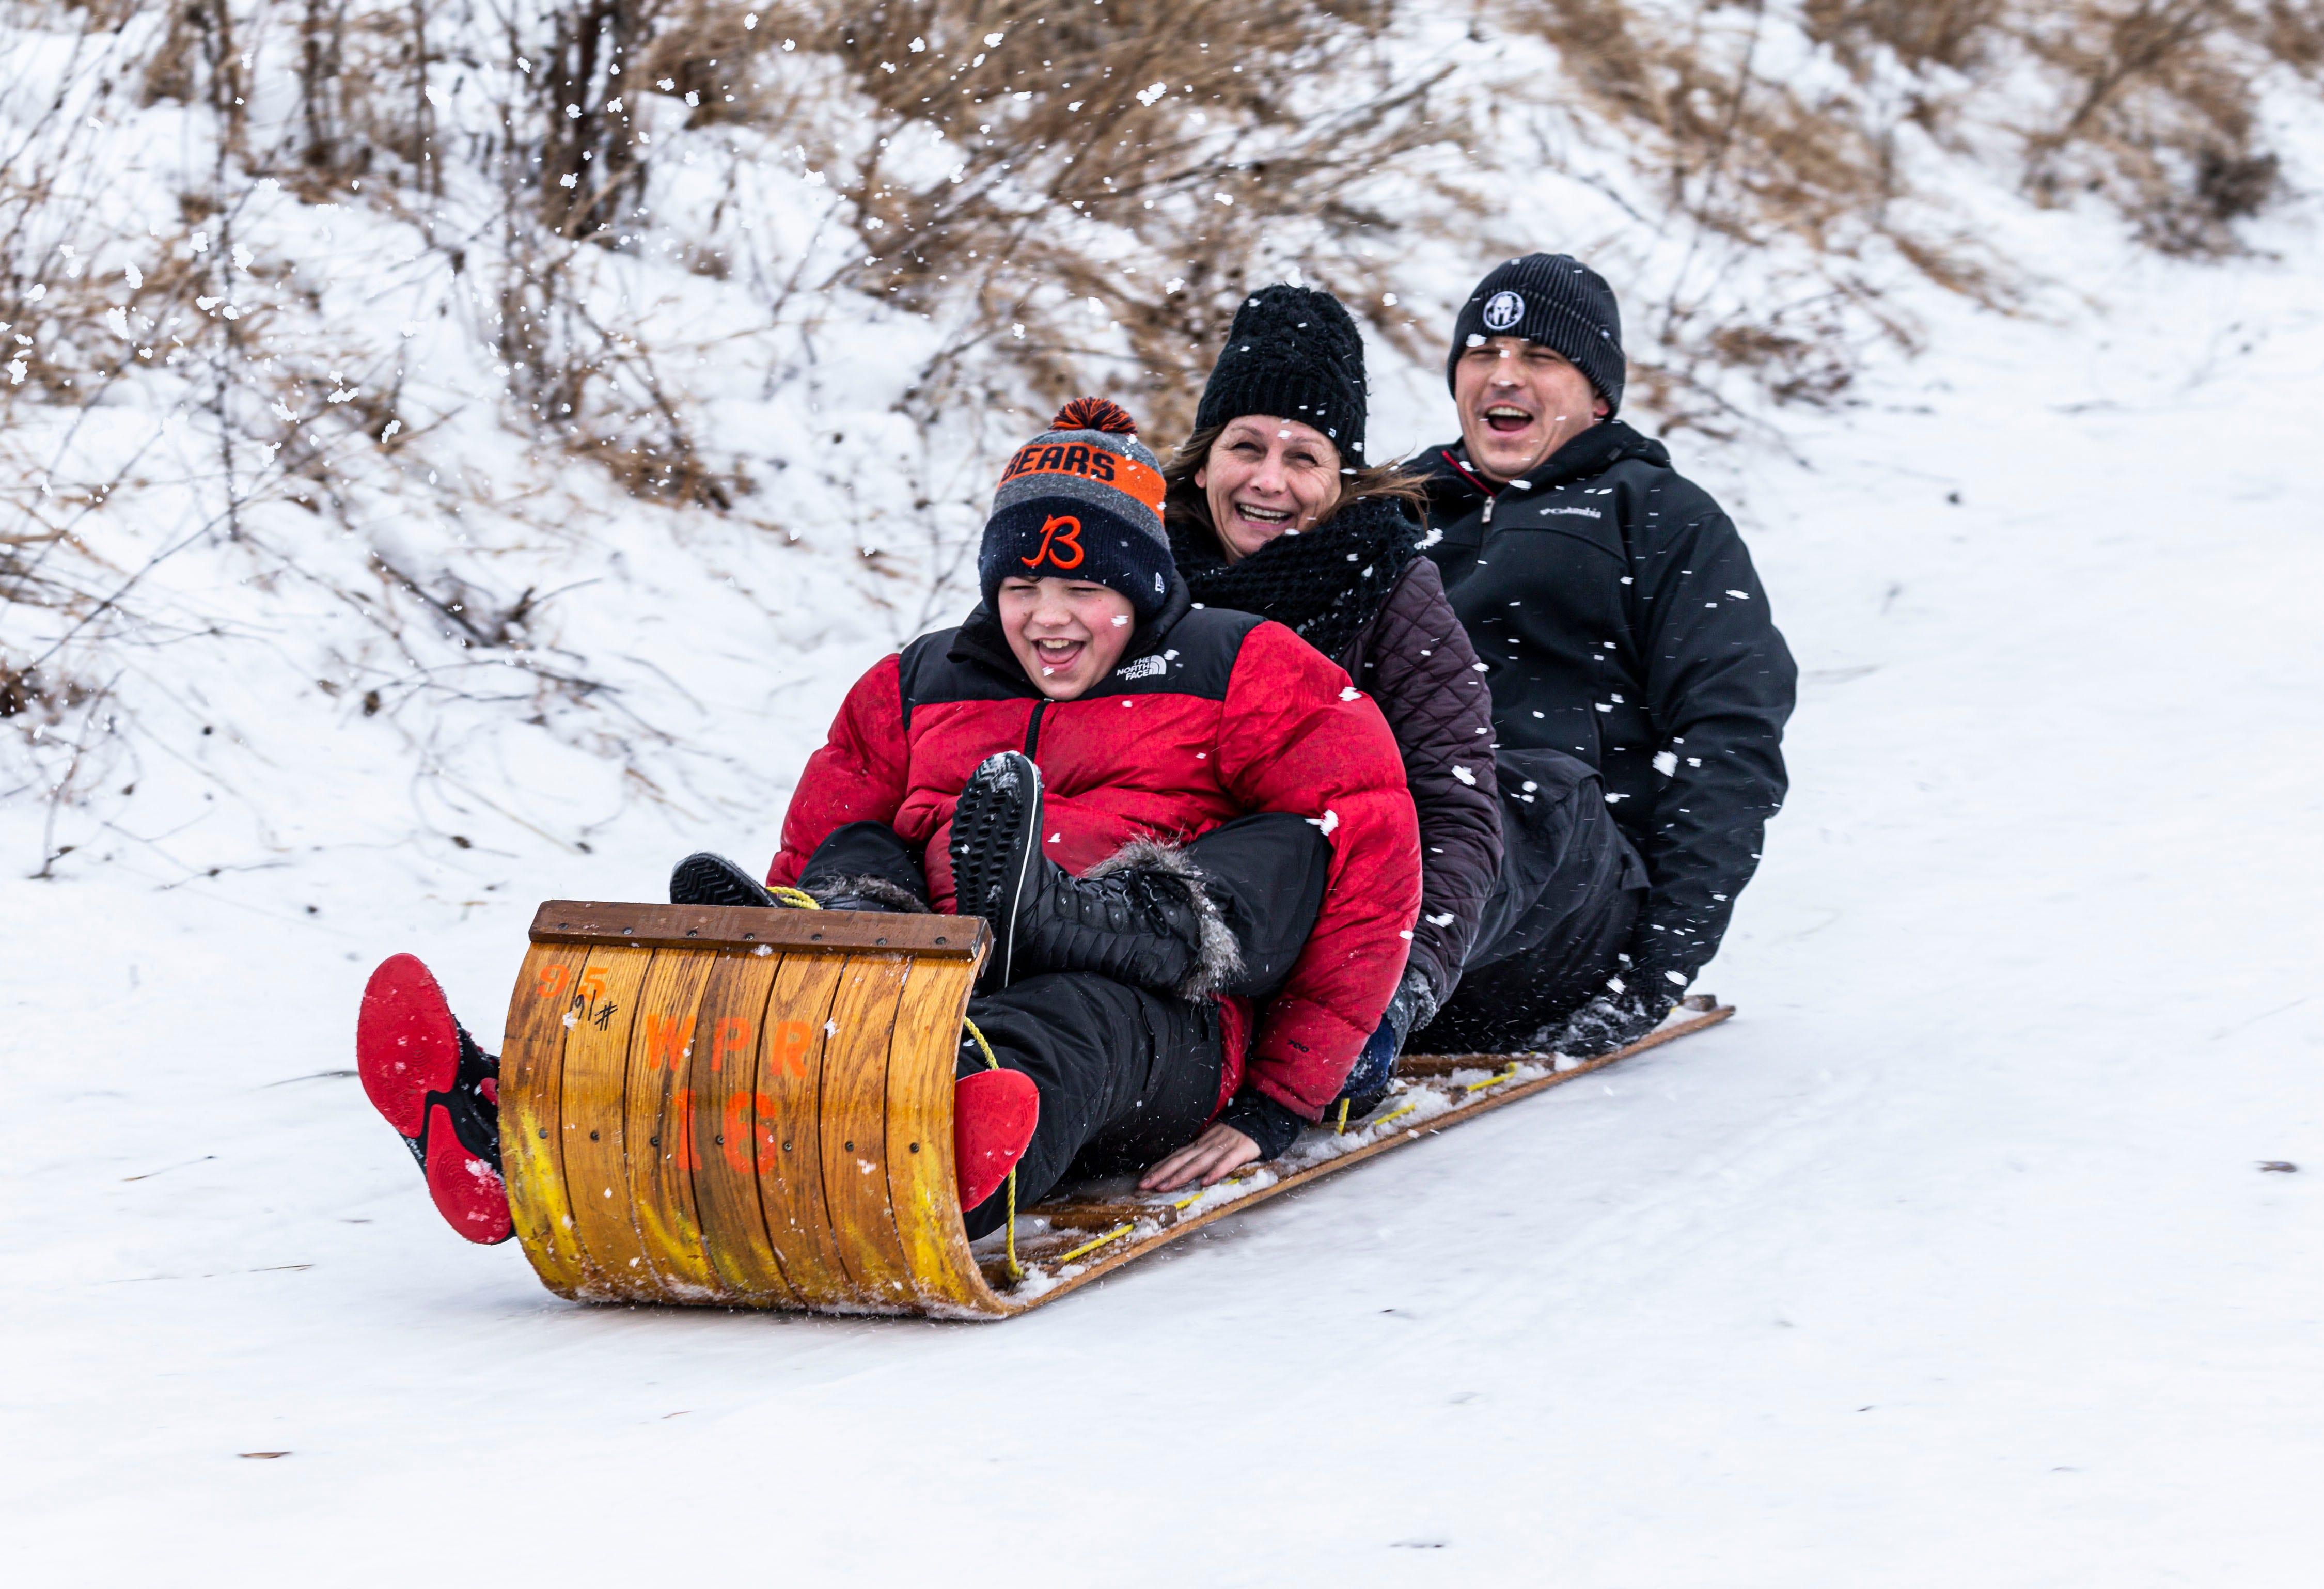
point(1081, 501)
point(1291, 353)
point(1557, 301)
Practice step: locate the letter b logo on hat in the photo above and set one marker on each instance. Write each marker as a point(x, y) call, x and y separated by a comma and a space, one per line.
point(1058, 536)
point(1502, 310)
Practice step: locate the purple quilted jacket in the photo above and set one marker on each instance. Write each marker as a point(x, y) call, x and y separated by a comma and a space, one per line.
point(1416, 661)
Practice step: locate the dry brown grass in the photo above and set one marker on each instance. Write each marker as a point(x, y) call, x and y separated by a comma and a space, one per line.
point(2155, 109)
point(2156, 100)
point(1739, 153)
point(1069, 180)
point(2162, 117)
point(1074, 231)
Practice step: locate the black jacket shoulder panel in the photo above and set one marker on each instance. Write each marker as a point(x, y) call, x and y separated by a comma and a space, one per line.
point(1196, 656)
point(1416, 662)
point(959, 664)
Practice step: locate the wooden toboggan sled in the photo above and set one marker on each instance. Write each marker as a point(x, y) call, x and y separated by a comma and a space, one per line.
point(750, 1108)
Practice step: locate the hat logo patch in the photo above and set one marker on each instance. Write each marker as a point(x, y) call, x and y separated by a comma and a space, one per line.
point(1503, 310)
point(1058, 536)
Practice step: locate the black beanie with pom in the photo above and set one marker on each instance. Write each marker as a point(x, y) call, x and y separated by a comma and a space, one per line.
point(1081, 501)
point(1294, 353)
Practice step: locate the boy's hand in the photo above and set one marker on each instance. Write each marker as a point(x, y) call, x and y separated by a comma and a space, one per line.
point(1210, 1158)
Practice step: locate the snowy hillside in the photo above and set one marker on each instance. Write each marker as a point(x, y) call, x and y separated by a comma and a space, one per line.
point(1952, 1259)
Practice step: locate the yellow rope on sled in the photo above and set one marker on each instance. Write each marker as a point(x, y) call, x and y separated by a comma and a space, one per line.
point(797, 898)
point(1493, 1080)
point(1116, 1234)
point(1015, 1274)
point(1342, 1127)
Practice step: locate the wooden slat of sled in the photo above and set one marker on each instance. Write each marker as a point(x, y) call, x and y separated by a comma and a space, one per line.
point(591, 1109)
point(703, 927)
point(784, 1144)
point(1410, 1064)
point(724, 1076)
point(923, 1185)
point(658, 1122)
point(532, 1148)
point(854, 1108)
point(1109, 1259)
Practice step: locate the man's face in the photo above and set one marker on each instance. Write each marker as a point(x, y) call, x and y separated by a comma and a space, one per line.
point(1066, 634)
point(1519, 402)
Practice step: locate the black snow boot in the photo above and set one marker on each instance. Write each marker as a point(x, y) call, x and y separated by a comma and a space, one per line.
point(1140, 917)
point(704, 879)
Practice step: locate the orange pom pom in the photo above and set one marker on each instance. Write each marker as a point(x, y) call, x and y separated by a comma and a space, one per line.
point(1094, 413)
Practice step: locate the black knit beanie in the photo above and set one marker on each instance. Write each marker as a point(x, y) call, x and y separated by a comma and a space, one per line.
point(1293, 353)
point(1557, 301)
point(1082, 501)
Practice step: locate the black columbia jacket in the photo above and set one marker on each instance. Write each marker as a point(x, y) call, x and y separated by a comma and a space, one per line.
point(1620, 621)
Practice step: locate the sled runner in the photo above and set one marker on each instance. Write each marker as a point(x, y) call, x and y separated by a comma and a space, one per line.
point(752, 1108)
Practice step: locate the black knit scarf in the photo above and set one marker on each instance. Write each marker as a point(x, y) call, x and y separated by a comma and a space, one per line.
point(1325, 585)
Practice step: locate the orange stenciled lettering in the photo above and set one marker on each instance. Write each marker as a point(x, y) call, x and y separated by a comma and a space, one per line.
point(790, 1044)
point(668, 1041)
point(681, 1105)
point(553, 979)
point(593, 983)
point(735, 1036)
point(1061, 531)
point(738, 1141)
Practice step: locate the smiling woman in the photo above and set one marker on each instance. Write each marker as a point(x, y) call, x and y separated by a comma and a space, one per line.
point(1262, 477)
point(1273, 510)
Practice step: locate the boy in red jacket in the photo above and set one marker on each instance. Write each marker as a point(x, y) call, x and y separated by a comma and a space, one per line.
point(1168, 815)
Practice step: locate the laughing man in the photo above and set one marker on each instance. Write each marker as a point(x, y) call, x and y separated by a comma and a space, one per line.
point(1639, 686)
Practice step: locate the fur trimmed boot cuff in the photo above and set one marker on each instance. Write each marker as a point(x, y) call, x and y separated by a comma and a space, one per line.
point(867, 892)
point(1166, 870)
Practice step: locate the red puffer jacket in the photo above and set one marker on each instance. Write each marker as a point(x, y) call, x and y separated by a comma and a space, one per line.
point(1210, 715)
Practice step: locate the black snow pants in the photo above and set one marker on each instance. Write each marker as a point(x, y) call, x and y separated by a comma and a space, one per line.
point(1569, 895)
point(1126, 1075)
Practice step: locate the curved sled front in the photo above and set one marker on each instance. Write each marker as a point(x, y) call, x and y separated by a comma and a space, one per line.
point(741, 1107)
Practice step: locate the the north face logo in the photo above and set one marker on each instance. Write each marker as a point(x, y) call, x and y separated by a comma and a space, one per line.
point(1502, 310)
point(1143, 667)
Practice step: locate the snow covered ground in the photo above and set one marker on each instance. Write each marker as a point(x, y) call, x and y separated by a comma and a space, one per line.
point(1951, 1260)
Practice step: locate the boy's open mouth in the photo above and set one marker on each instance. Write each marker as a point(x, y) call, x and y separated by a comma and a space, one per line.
point(1058, 655)
point(1506, 419)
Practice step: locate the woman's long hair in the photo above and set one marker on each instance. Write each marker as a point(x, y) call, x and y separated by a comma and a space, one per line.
point(1187, 507)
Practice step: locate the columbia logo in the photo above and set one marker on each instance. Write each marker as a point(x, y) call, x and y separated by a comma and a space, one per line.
point(1143, 667)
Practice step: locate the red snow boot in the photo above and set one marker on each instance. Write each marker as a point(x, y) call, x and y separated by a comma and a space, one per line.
point(439, 1091)
point(993, 1112)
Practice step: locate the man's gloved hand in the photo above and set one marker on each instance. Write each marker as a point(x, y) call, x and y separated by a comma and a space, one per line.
point(1634, 1004)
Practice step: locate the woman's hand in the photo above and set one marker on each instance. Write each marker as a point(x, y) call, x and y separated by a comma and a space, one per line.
point(1210, 1159)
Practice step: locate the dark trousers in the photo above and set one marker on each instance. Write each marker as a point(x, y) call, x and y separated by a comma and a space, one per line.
point(1568, 897)
point(1126, 1075)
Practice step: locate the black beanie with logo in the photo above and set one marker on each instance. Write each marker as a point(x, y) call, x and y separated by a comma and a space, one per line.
point(1294, 353)
point(1557, 301)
